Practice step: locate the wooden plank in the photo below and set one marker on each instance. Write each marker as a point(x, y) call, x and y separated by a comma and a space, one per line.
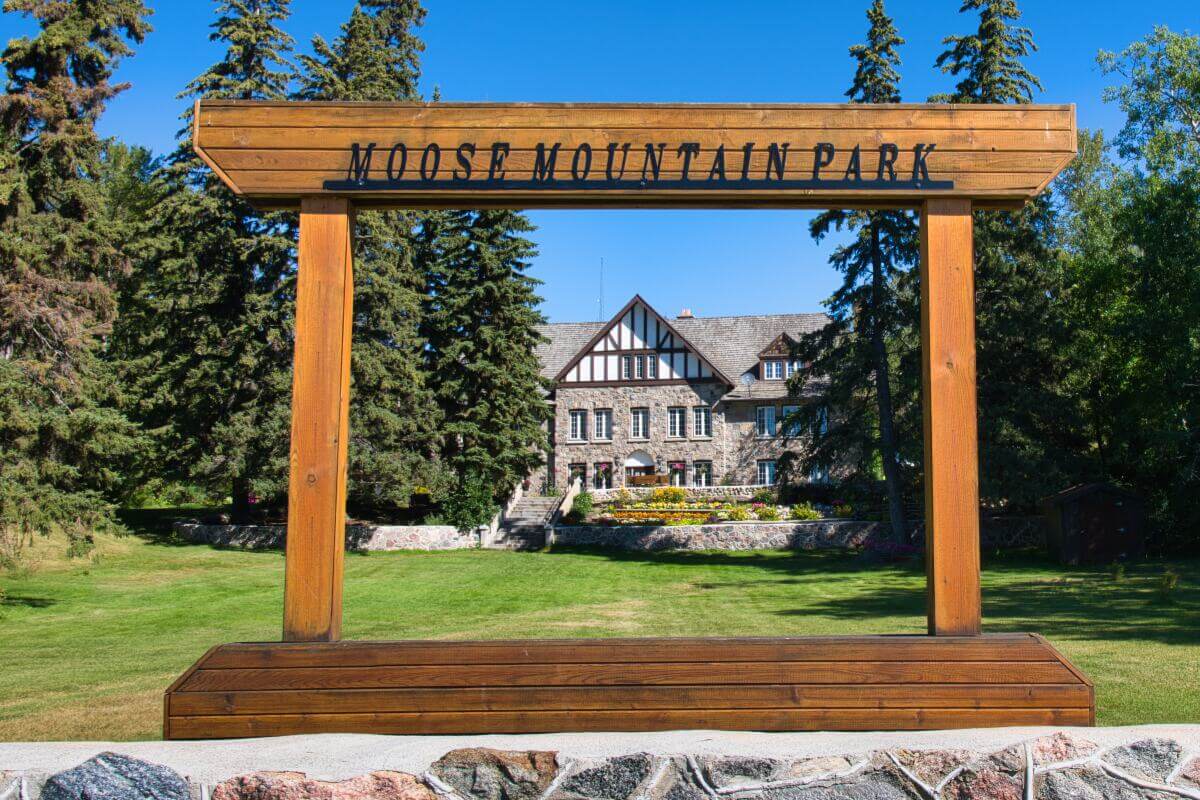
point(320, 423)
point(996, 647)
point(227, 113)
point(597, 698)
point(951, 438)
point(848, 719)
point(696, 673)
point(277, 152)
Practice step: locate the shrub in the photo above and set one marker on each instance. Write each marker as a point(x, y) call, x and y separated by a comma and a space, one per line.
point(843, 511)
point(804, 511)
point(669, 494)
point(1167, 585)
point(678, 523)
point(622, 498)
point(765, 496)
point(739, 514)
point(768, 513)
point(583, 505)
point(470, 504)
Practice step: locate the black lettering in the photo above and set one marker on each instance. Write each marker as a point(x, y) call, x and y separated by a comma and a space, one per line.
point(823, 155)
point(584, 151)
point(653, 160)
point(496, 167)
point(920, 168)
point(612, 154)
point(394, 174)
point(747, 149)
point(543, 166)
point(466, 151)
point(776, 160)
point(688, 151)
point(888, 153)
point(854, 168)
point(718, 168)
point(436, 152)
point(360, 165)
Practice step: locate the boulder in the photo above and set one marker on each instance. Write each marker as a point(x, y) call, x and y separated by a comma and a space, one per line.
point(487, 774)
point(297, 786)
point(1148, 759)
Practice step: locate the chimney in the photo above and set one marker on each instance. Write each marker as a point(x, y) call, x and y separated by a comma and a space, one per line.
point(685, 314)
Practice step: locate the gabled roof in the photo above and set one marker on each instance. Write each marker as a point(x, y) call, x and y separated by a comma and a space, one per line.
point(616, 320)
point(730, 344)
point(781, 344)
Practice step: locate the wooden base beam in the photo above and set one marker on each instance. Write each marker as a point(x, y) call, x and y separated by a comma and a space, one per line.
point(834, 683)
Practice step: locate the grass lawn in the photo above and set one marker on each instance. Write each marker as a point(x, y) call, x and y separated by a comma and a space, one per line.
point(88, 647)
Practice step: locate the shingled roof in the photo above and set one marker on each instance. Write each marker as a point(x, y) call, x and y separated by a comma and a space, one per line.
point(731, 344)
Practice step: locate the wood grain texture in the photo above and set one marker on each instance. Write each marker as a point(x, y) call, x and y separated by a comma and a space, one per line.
point(949, 404)
point(275, 153)
point(312, 605)
point(856, 683)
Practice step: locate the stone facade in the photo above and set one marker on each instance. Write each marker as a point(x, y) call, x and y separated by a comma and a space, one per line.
point(1057, 766)
point(815, 535)
point(733, 449)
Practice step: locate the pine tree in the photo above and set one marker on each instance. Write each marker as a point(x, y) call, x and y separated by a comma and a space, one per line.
point(1030, 429)
point(64, 443)
point(480, 318)
point(212, 313)
point(848, 361)
point(394, 420)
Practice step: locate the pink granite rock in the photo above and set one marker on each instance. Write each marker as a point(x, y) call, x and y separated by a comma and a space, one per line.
point(1060, 747)
point(932, 766)
point(1190, 774)
point(297, 786)
point(986, 783)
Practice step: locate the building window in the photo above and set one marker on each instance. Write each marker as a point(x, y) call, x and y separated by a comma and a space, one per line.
point(702, 473)
point(639, 423)
point(821, 422)
point(626, 367)
point(603, 417)
point(766, 472)
point(677, 422)
point(764, 418)
point(773, 370)
point(791, 426)
point(602, 475)
point(818, 475)
point(678, 472)
point(652, 367)
point(702, 421)
point(641, 367)
point(578, 426)
point(577, 472)
point(792, 368)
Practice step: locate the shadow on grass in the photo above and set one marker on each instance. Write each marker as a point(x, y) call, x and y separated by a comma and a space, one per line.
point(155, 525)
point(13, 601)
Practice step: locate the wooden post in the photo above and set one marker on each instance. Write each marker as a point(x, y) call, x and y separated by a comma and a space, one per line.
point(312, 593)
point(951, 438)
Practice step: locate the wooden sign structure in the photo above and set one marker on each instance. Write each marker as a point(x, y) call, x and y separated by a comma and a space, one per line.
point(326, 159)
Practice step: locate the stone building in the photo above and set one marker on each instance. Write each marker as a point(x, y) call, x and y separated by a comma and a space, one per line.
point(696, 401)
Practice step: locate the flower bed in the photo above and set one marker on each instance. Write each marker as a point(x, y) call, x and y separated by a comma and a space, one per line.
point(674, 506)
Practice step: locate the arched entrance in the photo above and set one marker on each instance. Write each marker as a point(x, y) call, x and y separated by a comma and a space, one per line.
point(638, 464)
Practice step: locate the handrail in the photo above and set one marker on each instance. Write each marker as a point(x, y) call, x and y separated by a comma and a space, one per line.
point(562, 507)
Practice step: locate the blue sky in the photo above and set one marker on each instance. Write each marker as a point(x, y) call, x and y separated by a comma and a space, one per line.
point(714, 262)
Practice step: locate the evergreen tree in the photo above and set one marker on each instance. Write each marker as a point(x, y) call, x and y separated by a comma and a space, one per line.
point(212, 313)
point(848, 361)
point(1031, 437)
point(480, 318)
point(394, 420)
point(64, 444)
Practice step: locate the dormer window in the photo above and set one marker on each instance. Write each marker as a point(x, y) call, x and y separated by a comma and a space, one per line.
point(773, 370)
point(793, 367)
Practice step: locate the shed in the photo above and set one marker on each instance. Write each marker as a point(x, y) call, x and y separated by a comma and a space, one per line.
point(1094, 523)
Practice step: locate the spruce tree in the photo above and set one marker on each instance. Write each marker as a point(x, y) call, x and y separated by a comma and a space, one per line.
point(212, 313)
point(394, 420)
point(480, 318)
point(65, 447)
point(1030, 429)
point(849, 361)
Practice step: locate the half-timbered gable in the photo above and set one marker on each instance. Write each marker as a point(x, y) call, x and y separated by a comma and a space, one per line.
point(638, 346)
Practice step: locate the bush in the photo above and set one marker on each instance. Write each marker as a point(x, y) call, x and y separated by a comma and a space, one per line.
point(768, 513)
point(739, 514)
point(622, 498)
point(583, 505)
point(669, 494)
point(470, 504)
point(843, 511)
point(765, 496)
point(804, 512)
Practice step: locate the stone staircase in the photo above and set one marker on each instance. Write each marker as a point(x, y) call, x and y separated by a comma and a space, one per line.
point(525, 527)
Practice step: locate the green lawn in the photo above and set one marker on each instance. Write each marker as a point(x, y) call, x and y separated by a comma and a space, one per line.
point(88, 647)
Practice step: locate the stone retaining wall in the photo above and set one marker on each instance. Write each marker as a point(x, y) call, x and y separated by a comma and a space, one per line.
point(996, 533)
point(1056, 766)
point(358, 537)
